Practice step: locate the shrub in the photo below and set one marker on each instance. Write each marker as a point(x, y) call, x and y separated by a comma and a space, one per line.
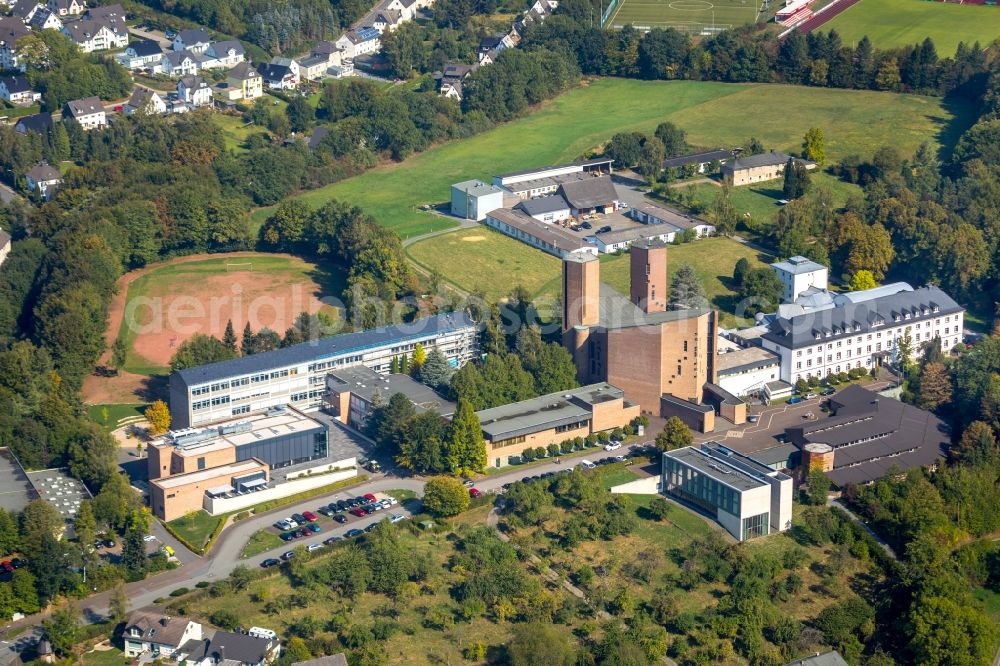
point(475, 652)
point(528, 454)
point(553, 449)
point(539, 452)
point(579, 443)
point(628, 430)
point(618, 433)
point(659, 508)
point(566, 446)
point(202, 584)
point(603, 437)
point(225, 618)
point(180, 592)
point(242, 515)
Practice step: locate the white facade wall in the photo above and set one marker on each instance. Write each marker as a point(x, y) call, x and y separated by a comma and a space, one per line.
point(793, 284)
point(858, 351)
point(500, 181)
point(219, 505)
point(742, 383)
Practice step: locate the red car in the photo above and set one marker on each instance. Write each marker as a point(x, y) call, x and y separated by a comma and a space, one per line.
point(370, 497)
point(475, 492)
point(309, 515)
point(359, 512)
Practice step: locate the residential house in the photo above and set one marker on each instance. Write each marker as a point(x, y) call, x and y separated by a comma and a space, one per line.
point(11, 30)
point(280, 73)
point(228, 649)
point(404, 7)
point(759, 168)
point(387, 20)
point(17, 90)
point(451, 79)
point(43, 179)
point(179, 63)
point(147, 101)
point(100, 29)
point(65, 8)
point(244, 83)
point(158, 635)
point(196, 41)
point(89, 112)
point(359, 42)
point(39, 123)
point(227, 53)
point(45, 19)
point(25, 9)
point(194, 91)
point(142, 54)
point(313, 67)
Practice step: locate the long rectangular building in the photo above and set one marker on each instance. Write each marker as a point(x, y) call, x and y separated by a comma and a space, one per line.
point(860, 334)
point(296, 375)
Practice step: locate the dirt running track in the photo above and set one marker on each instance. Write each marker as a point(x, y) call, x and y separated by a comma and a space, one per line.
point(818, 20)
point(128, 387)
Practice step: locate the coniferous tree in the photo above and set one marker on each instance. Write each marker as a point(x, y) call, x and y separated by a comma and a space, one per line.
point(466, 448)
point(686, 292)
point(246, 347)
point(229, 336)
point(435, 371)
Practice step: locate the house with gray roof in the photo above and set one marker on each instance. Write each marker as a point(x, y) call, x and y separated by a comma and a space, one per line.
point(550, 238)
point(590, 195)
point(45, 19)
point(17, 90)
point(759, 168)
point(144, 53)
point(89, 112)
point(194, 40)
point(863, 334)
point(226, 648)
point(43, 179)
point(39, 123)
point(549, 208)
point(158, 635)
point(11, 30)
point(700, 160)
point(226, 53)
point(831, 658)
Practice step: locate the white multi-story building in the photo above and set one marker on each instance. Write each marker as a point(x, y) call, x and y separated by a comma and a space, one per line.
point(296, 375)
point(862, 329)
point(89, 112)
point(747, 498)
point(798, 274)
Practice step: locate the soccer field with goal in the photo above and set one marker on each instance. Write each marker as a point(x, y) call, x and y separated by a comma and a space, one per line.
point(697, 17)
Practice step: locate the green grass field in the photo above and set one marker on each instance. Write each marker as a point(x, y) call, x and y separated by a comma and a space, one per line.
point(235, 132)
point(712, 114)
point(693, 16)
point(196, 527)
point(892, 23)
point(116, 414)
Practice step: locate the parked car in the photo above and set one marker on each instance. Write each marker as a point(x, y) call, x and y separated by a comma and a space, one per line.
point(603, 230)
point(270, 562)
point(753, 418)
point(468, 483)
point(475, 492)
point(353, 533)
point(796, 400)
point(384, 504)
point(612, 446)
point(342, 504)
point(332, 540)
point(284, 525)
point(359, 512)
point(829, 391)
point(371, 527)
point(288, 536)
point(18, 562)
point(109, 543)
point(287, 555)
point(299, 518)
point(304, 532)
point(148, 538)
point(314, 528)
point(396, 517)
point(313, 546)
point(340, 518)
point(327, 510)
point(391, 500)
point(310, 516)
point(810, 395)
point(586, 464)
point(370, 497)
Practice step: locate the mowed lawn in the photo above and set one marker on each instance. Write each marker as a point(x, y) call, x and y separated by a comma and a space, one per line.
point(892, 23)
point(489, 262)
point(561, 130)
point(235, 132)
point(684, 13)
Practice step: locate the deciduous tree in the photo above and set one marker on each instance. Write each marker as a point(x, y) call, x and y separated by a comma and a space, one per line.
point(674, 435)
point(158, 415)
point(445, 496)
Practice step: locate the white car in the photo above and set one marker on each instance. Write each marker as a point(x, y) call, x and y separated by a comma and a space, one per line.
point(148, 538)
point(391, 500)
point(313, 546)
point(396, 517)
point(385, 504)
point(612, 446)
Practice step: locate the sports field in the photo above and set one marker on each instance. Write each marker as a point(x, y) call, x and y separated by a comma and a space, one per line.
point(696, 17)
point(891, 23)
point(713, 114)
point(166, 304)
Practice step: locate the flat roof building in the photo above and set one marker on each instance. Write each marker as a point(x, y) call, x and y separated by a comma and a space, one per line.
point(15, 487)
point(473, 199)
point(747, 370)
point(60, 490)
point(546, 237)
point(747, 498)
point(176, 496)
point(550, 419)
point(296, 375)
point(353, 392)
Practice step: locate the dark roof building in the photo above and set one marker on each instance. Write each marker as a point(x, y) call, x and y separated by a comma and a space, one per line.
point(870, 434)
point(589, 193)
point(16, 85)
point(11, 30)
point(40, 123)
point(234, 649)
point(193, 36)
point(83, 107)
point(145, 48)
point(542, 205)
point(43, 172)
point(849, 319)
